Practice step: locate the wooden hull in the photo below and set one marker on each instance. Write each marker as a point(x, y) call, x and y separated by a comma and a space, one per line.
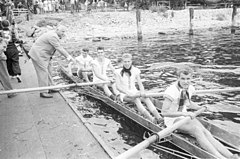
point(180, 141)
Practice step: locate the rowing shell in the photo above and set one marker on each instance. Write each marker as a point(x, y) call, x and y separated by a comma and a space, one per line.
point(185, 142)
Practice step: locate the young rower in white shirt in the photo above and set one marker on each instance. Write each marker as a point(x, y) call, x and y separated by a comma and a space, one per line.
point(126, 77)
point(84, 61)
point(177, 98)
point(100, 65)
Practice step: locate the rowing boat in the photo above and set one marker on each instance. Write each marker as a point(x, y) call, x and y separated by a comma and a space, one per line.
point(183, 141)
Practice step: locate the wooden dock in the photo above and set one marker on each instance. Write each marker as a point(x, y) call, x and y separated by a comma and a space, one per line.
point(34, 127)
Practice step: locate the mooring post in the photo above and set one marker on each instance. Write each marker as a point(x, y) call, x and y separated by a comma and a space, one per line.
point(191, 13)
point(234, 13)
point(139, 27)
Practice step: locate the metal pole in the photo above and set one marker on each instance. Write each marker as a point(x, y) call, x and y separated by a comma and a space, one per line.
point(157, 136)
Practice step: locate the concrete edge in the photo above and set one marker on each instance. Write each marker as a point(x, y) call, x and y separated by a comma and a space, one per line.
point(89, 127)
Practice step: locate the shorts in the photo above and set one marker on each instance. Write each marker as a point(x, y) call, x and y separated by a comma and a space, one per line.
point(123, 95)
point(168, 121)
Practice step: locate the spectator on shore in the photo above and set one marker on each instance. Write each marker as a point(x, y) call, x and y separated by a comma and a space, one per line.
point(20, 5)
point(41, 54)
point(4, 77)
point(57, 6)
point(77, 3)
point(45, 6)
point(40, 7)
point(72, 2)
point(12, 52)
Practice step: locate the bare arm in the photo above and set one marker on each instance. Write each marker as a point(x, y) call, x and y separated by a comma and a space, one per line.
point(111, 67)
point(63, 52)
point(139, 81)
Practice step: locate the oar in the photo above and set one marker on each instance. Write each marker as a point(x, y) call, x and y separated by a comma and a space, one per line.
point(51, 87)
point(197, 92)
point(144, 144)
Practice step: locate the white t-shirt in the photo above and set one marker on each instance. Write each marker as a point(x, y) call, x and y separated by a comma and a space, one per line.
point(173, 92)
point(103, 66)
point(84, 62)
point(128, 82)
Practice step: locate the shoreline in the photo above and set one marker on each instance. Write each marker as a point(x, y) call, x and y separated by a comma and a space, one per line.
point(82, 26)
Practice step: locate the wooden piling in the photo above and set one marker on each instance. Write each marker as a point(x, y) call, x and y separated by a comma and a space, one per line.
point(234, 13)
point(191, 13)
point(139, 27)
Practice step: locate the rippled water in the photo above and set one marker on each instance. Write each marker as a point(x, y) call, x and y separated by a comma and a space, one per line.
point(213, 54)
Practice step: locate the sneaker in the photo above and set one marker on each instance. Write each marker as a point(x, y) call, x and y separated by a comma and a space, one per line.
point(113, 97)
point(45, 95)
point(11, 95)
point(53, 91)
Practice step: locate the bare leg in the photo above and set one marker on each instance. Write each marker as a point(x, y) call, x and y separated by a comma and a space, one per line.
point(85, 76)
point(106, 90)
point(142, 110)
point(114, 88)
point(220, 147)
point(193, 128)
point(152, 109)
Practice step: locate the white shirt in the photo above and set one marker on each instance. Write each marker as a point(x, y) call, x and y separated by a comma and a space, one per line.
point(173, 92)
point(128, 82)
point(84, 62)
point(103, 66)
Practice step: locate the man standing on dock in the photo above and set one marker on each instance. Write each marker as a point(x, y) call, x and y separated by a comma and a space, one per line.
point(41, 54)
point(177, 99)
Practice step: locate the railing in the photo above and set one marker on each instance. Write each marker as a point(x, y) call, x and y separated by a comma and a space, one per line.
point(17, 12)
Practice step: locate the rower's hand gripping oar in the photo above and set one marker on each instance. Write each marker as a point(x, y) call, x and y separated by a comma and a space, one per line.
point(144, 144)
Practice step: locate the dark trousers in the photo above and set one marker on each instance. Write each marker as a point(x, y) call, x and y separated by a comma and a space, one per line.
point(13, 63)
point(4, 77)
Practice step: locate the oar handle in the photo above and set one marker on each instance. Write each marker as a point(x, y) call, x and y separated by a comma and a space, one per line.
point(51, 87)
point(37, 89)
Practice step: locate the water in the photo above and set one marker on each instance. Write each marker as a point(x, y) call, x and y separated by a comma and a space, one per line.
point(213, 54)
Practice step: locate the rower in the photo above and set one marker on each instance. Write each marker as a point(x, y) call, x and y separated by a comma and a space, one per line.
point(84, 65)
point(126, 77)
point(177, 98)
point(100, 65)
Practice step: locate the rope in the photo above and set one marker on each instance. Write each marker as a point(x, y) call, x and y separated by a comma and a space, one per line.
point(173, 152)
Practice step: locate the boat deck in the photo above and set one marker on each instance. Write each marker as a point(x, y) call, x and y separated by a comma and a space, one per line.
point(34, 127)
